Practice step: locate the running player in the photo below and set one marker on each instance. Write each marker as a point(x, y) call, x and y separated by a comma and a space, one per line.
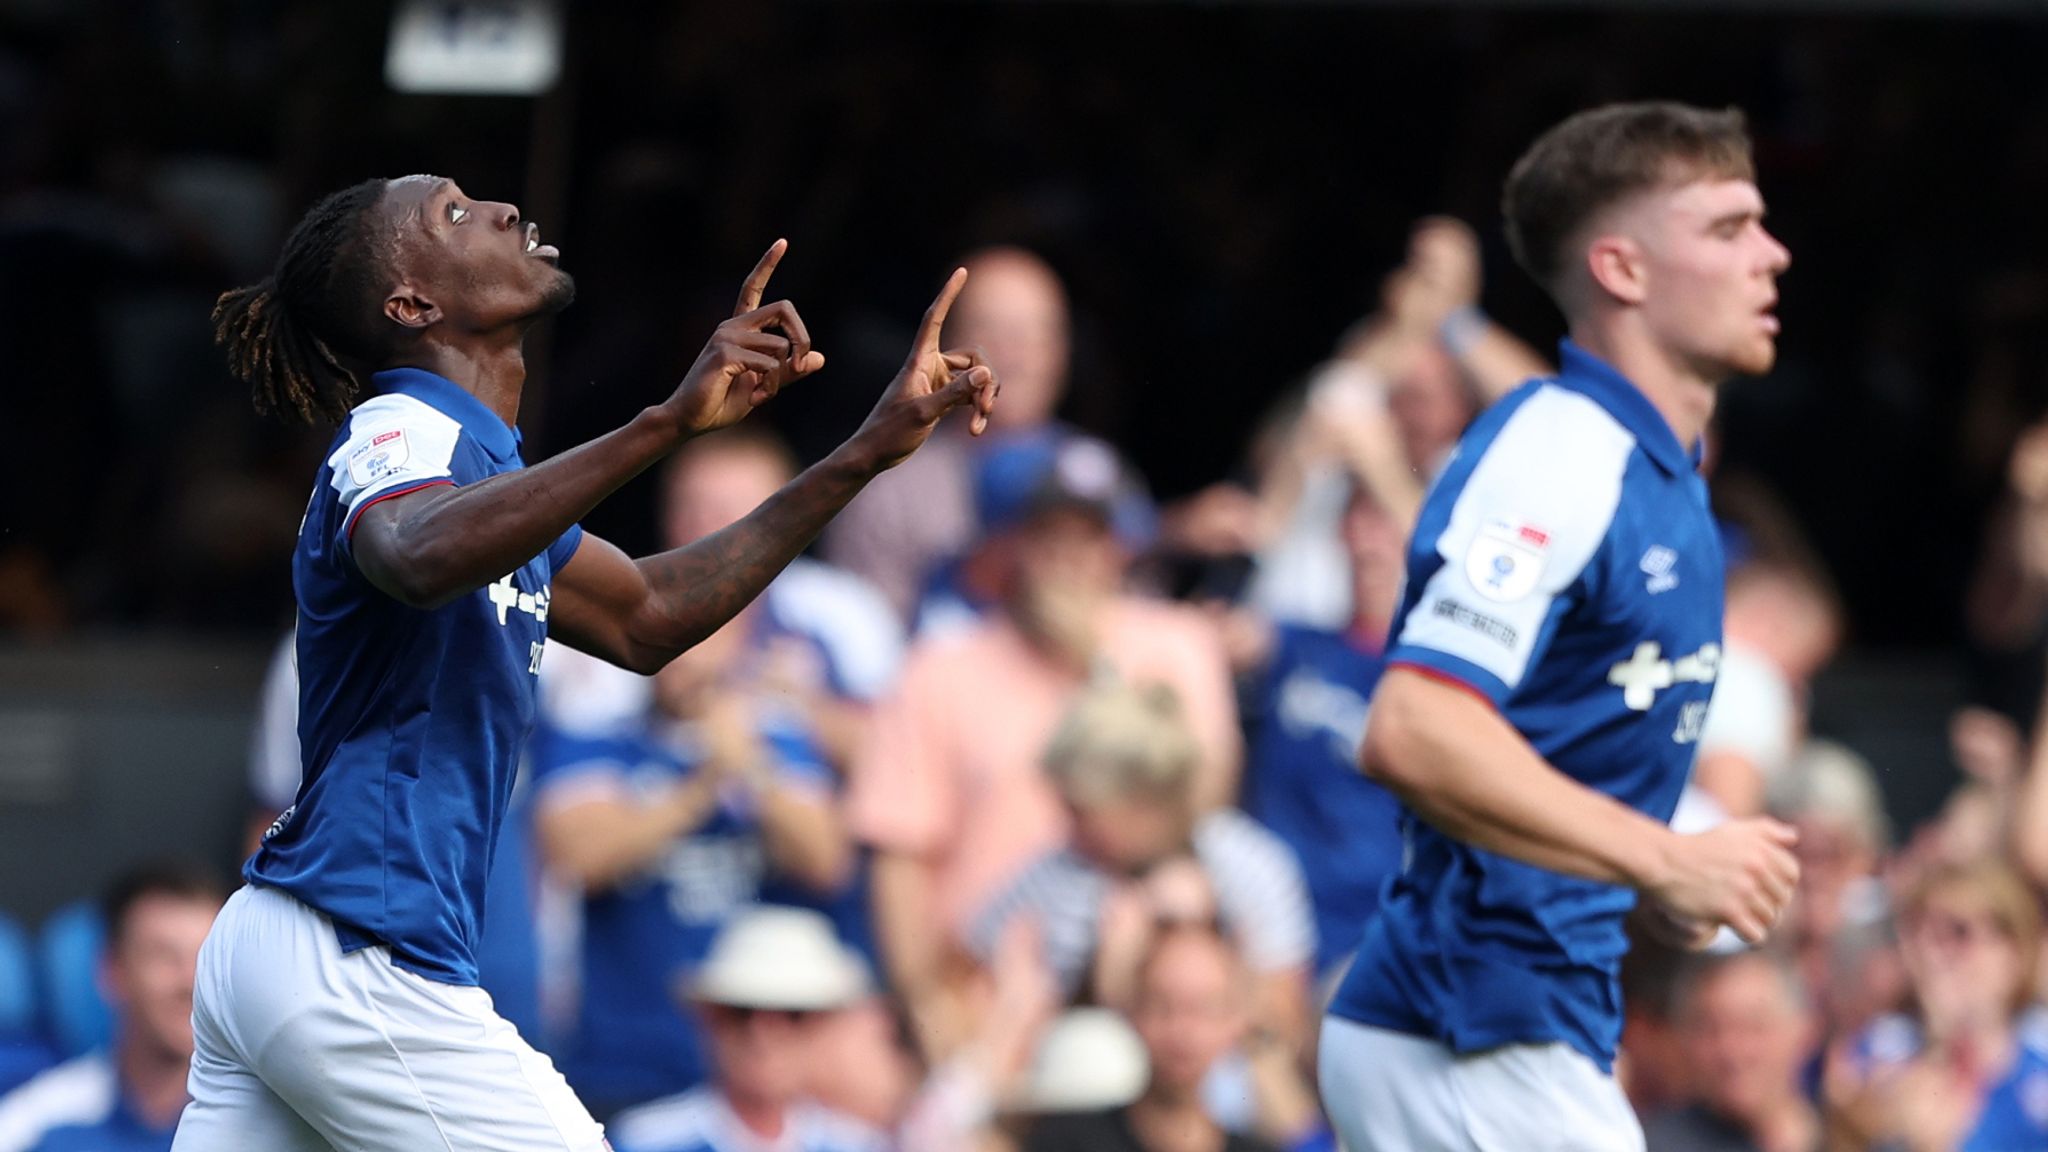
point(336, 1001)
point(1552, 660)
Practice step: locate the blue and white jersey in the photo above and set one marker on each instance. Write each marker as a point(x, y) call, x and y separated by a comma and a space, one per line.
point(632, 1041)
point(77, 1107)
point(411, 721)
point(1566, 568)
point(2013, 1112)
point(1301, 780)
point(701, 1121)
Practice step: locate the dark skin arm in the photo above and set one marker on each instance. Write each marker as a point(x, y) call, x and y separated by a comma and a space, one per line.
point(431, 546)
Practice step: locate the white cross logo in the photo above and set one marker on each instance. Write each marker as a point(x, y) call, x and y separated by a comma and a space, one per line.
point(1641, 676)
point(506, 597)
point(1644, 674)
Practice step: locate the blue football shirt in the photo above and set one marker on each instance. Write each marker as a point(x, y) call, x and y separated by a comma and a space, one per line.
point(1565, 567)
point(1302, 781)
point(411, 720)
point(633, 1041)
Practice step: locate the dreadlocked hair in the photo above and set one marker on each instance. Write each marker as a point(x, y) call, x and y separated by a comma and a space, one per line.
point(292, 337)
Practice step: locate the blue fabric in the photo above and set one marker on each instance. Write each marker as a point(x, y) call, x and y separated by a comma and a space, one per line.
point(632, 1041)
point(1476, 949)
point(410, 721)
point(76, 1017)
point(2014, 1116)
point(1302, 780)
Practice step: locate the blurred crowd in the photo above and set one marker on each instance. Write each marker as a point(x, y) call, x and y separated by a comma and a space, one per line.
point(1023, 814)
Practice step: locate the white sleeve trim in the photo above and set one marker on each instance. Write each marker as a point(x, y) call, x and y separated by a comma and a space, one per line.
point(1529, 519)
point(393, 440)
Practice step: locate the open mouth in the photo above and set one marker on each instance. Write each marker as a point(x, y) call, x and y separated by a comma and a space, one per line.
point(535, 248)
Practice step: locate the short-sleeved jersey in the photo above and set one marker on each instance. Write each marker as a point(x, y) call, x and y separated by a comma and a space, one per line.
point(643, 937)
point(1301, 779)
point(1566, 568)
point(411, 720)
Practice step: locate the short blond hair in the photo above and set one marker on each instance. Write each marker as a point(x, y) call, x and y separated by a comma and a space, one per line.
point(1119, 740)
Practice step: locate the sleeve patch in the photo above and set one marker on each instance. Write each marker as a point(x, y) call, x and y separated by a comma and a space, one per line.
point(387, 452)
point(1505, 560)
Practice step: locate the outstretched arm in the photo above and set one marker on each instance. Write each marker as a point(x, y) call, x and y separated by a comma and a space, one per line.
point(640, 614)
point(1459, 764)
point(433, 544)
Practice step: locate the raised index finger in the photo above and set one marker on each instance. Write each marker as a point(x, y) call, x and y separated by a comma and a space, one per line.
point(757, 280)
point(935, 316)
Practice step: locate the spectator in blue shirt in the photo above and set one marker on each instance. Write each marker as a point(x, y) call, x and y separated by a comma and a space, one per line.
point(1960, 1073)
point(127, 1098)
point(671, 825)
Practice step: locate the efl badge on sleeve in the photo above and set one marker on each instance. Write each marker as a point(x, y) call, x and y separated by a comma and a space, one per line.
point(386, 453)
point(1506, 560)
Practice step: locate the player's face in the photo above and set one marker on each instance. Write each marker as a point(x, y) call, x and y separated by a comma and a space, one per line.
point(149, 970)
point(1711, 276)
point(1747, 1039)
point(478, 261)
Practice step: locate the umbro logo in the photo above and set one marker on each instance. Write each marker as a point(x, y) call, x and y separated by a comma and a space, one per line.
point(1658, 564)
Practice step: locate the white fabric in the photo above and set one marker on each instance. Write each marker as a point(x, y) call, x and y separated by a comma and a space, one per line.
point(1753, 712)
point(76, 1093)
point(1544, 533)
point(1391, 1092)
point(1304, 575)
point(274, 767)
point(300, 1047)
point(701, 1119)
point(394, 440)
point(848, 618)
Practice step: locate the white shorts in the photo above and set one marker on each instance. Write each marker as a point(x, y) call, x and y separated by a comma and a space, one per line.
point(299, 1048)
point(1392, 1092)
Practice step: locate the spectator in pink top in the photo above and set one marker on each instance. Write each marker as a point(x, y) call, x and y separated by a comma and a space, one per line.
point(956, 804)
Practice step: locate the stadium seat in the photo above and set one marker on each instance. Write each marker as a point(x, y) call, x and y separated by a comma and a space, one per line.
point(75, 1015)
point(17, 979)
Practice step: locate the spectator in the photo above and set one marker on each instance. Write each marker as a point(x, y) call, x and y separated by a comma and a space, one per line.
point(921, 514)
point(1747, 1030)
point(127, 1099)
point(670, 827)
point(1960, 1073)
point(956, 803)
point(1124, 763)
point(1837, 923)
point(1405, 383)
point(770, 977)
point(1782, 626)
point(1311, 700)
point(1190, 1011)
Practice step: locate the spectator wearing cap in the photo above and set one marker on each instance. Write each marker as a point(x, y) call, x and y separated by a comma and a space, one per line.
point(772, 976)
point(1124, 761)
point(1189, 1012)
point(954, 801)
point(127, 1098)
point(1747, 1030)
point(922, 513)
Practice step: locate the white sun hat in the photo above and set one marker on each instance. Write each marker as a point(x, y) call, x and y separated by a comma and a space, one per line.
point(1089, 1060)
point(779, 958)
